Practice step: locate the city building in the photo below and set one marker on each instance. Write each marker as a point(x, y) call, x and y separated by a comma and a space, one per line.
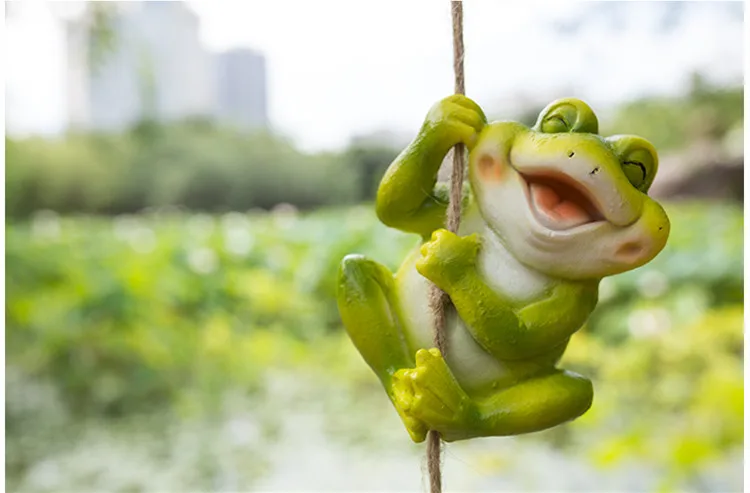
point(241, 88)
point(158, 69)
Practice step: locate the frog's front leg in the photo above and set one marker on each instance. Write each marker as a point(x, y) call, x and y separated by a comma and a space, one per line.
point(409, 197)
point(503, 328)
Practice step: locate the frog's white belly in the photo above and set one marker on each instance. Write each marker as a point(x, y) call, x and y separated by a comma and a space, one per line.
point(472, 366)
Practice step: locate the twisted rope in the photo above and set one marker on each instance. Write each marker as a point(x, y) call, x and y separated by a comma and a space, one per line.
point(439, 300)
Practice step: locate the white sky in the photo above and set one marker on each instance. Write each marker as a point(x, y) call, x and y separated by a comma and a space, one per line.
point(342, 68)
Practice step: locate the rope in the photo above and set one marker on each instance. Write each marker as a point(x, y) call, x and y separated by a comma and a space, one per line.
point(439, 300)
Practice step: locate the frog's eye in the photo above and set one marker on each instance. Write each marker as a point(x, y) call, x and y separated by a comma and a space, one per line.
point(555, 124)
point(635, 171)
point(638, 160)
point(567, 115)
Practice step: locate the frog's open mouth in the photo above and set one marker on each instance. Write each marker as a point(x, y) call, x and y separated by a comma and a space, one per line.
point(560, 203)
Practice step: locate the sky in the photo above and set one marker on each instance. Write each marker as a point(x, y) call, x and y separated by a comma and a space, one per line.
point(337, 69)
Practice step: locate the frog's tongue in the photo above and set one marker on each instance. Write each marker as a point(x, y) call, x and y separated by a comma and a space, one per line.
point(558, 205)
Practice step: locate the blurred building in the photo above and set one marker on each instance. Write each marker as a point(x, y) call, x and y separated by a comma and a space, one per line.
point(77, 73)
point(157, 68)
point(241, 88)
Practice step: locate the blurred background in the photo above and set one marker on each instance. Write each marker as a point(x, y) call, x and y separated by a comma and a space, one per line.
point(182, 179)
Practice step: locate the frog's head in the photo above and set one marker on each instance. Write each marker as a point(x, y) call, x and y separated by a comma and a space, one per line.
point(564, 200)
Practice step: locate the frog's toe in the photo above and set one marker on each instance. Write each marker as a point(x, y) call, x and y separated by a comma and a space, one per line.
point(430, 267)
point(404, 399)
point(432, 409)
point(467, 103)
point(426, 357)
point(437, 400)
point(432, 371)
point(417, 396)
point(416, 428)
point(403, 388)
point(428, 397)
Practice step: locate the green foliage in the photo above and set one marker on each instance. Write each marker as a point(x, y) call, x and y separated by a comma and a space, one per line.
point(124, 314)
point(672, 395)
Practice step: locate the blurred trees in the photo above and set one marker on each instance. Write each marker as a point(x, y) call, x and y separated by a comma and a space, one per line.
point(193, 164)
point(705, 113)
point(369, 162)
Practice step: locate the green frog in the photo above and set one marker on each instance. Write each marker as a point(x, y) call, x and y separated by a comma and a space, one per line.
point(548, 211)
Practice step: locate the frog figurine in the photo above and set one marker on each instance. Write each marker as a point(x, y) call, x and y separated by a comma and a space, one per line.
point(548, 212)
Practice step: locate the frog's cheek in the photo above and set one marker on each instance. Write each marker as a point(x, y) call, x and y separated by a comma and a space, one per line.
point(645, 239)
point(490, 168)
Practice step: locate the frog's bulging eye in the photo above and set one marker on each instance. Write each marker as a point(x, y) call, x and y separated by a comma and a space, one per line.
point(567, 115)
point(639, 166)
point(636, 173)
point(554, 124)
point(638, 159)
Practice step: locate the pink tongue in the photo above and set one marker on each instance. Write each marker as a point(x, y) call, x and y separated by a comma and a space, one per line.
point(557, 208)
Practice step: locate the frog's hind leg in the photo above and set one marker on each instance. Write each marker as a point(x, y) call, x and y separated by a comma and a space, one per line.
point(537, 404)
point(366, 304)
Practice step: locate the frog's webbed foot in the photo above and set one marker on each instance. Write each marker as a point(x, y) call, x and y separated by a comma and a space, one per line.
point(428, 397)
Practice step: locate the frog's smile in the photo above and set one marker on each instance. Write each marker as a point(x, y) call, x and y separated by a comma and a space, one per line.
point(559, 202)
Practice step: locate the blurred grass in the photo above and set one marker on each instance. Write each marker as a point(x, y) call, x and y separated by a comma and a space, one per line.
point(142, 321)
